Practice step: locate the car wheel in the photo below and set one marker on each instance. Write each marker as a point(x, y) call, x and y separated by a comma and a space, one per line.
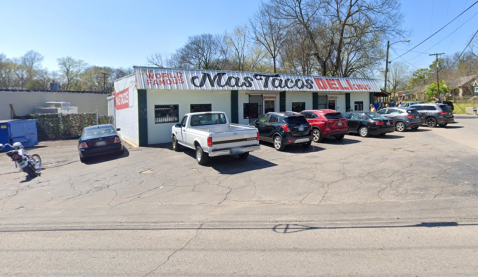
point(400, 126)
point(363, 131)
point(414, 128)
point(339, 137)
point(307, 144)
point(244, 155)
point(176, 146)
point(317, 136)
point(431, 122)
point(443, 125)
point(278, 144)
point(201, 156)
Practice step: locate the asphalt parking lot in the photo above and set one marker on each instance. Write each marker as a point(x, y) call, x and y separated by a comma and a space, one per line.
point(414, 178)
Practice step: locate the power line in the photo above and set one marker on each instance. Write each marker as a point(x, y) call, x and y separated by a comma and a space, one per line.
point(448, 35)
point(439, 30)
point(465, 48)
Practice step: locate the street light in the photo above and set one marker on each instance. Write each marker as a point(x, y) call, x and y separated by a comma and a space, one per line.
point(386, 64)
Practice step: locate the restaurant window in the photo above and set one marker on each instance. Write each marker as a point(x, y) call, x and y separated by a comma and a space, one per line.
point(251, 110)
point(196, 108)
point(358, 106)
point(298, 106)
point(166, 113)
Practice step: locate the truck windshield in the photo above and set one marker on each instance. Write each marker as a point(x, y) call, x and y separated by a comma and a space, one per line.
point(208, 119)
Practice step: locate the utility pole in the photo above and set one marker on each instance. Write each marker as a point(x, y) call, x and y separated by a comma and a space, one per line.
point(438, 82)
point(386, 68)
point(104, 80)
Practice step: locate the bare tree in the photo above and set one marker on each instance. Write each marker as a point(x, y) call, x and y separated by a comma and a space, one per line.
point(268, 31)
point(158, 60)
point(200, 52)
point(70, 70)
point(341, 31)
point(237, 41)
point(399, 76)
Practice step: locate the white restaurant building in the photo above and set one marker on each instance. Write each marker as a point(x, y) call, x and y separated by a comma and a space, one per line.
point(150, 101)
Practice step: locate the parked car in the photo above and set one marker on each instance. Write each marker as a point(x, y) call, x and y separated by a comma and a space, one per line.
point(404, 118)
point(284, 128)
point(433, 114)
point(368, 123)
point(99, 140)
point(411, 103)
point(211, 134)
point(326, 124)
point(449, 103)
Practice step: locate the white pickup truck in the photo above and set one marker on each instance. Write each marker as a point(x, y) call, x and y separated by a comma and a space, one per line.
point(211, 134)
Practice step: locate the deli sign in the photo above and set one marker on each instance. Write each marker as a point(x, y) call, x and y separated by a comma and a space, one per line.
point(170, 79)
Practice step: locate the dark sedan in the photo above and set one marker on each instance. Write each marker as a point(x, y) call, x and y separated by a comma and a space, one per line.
point(99, 140)
point(284, 128)
point(404, 118)
point(367, 123)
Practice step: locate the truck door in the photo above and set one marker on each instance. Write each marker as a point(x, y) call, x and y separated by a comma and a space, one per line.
point(182, 132)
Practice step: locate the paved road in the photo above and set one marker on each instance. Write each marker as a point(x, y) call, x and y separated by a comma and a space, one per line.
point(400, 205)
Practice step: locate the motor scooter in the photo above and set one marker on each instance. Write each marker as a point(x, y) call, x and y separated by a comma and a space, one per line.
point(30, 164)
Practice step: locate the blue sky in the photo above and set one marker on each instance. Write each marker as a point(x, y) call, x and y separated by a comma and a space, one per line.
point(123, 33)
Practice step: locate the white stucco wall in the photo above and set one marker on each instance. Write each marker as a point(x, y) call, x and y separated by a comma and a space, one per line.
point(161, 132)
point(25, 102)
point(360, 96)
point(297, 96)
point(127, 118)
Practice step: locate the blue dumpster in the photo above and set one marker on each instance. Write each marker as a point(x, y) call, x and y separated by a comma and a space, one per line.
point(24, 131)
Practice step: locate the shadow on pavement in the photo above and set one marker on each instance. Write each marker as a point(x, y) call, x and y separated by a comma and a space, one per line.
point(106, 158)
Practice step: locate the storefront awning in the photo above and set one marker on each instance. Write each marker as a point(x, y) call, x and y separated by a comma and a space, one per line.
point(173, 79)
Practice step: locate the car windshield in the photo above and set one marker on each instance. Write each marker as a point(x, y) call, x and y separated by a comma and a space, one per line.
point(295, 120)
point(375, 116)
point(333, 116)
point(208, 119)
point(98, 132)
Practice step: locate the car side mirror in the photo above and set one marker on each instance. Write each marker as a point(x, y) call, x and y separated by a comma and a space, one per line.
point(177, 125)
point(118, 129)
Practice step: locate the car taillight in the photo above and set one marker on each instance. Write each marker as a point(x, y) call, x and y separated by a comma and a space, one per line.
point(443, 113)
point(410, 115)
point(209, 141)
point(83, 145)
point(286, 128)
point(257, 135)
point(380, 123)
point(117, 140)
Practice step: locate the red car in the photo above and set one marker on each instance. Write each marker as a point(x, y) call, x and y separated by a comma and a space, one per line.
point(326, 124)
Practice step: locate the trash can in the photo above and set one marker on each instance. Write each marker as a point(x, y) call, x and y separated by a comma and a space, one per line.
point(24, 131)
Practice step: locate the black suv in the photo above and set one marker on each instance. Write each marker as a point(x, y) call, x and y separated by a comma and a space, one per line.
point(449, 103)
point(283, 129)
point(433, 114)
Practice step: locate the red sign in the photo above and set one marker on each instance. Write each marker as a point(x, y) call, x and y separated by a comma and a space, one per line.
point(341, 85)
point(160, 79)
point(122, 99)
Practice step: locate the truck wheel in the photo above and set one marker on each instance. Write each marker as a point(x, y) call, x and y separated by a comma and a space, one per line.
point(244, 155)
point(278, 144)
point(317, 136)
point(176, 146)
point(201, 156)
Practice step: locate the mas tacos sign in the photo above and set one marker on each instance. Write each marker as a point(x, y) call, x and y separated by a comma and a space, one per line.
point(154, 78)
